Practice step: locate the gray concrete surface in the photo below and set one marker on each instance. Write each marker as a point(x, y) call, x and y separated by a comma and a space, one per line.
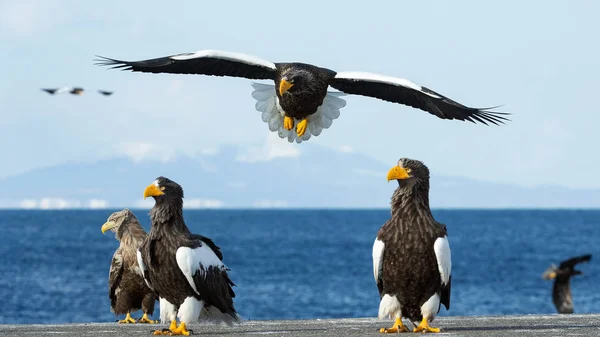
point(492, 326)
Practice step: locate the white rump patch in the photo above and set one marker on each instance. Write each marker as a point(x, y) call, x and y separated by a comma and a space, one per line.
point(378, 248)
point(225, 55)
point(189, 310)
point(441, 247)
point(430, 308)
point(213, 315)
point(267, 102)
point(389, 307)
point(167, 311)
point(370, 77)
point(140, 262)
point(195, 260)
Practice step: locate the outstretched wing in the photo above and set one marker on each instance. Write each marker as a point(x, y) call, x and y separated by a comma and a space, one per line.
point(206, 274)
point(441, 248)
point(399, 90)
point(570, 263)
point(114, 276)
point(203, 62)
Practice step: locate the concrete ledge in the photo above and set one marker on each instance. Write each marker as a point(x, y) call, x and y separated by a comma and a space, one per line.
point(492, 326)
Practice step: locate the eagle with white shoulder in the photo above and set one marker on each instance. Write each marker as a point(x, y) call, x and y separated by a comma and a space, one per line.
point(411, 254)
point(186, 270)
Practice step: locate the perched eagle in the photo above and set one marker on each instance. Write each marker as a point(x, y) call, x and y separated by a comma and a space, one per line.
point(300, 97)
point(184, 269)
point(561, 291)
point(105, 93)
point(75, 91)
point(411, 254)
point(126, 287)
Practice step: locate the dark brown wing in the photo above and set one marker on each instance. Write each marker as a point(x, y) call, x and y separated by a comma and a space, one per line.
point(570, 263)
point(114, 276)
point(204, 62)
point(399, 90)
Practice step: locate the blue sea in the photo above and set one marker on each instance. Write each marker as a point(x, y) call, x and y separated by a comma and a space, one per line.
point(295, 264)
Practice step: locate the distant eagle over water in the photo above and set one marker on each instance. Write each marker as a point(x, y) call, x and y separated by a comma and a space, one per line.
point(561, 290)
point(126, 287)
point(299, 97)
point(185, 270)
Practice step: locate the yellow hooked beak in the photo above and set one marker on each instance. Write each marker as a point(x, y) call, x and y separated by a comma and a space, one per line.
point(284, 86)
point(108, 226)
point(397, 172)
point(152, 191)
point(550, 276)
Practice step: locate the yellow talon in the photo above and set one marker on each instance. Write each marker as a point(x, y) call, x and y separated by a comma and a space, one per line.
point(288, 122)
point(128, 319)
point(301, 127)
point(145, 319)
point(424, 327)
point(180, 330)
point(396, 328)
point(168, 331)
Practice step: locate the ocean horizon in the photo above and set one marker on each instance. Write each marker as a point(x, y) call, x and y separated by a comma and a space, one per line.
point(300, 263)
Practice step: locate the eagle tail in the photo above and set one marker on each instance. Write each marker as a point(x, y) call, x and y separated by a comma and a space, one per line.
point(211, 314)
point(267, 103)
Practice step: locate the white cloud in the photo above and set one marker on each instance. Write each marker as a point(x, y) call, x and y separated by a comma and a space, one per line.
point(274, 147)
point(346, 149)
point(202, 203)
point(209, 151)
point(28, 204)
point(97, 204)
point(139, 151)
point(144, 203)
point(270, 203)
point(57, 203)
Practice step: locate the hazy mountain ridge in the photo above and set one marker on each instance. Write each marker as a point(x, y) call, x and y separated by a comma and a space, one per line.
point(241, 177)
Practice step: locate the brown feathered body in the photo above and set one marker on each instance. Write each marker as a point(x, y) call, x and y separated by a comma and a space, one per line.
point(128, 291)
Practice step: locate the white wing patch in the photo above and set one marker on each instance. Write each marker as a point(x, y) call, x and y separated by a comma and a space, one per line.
point(370, 77)
point(142, 268)
point(267, 102)
point(225, 55)
point(192, 260)
point(441, 247)
point(378, 247)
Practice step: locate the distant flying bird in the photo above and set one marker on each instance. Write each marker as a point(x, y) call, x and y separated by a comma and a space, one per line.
point(105, 93)
point(126, 287)
point(411, 254)
point(561, 291)
point(71, 90)
point(300, 97)
point(185, 270)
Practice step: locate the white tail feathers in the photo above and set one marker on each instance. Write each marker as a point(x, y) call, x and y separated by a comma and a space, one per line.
point(272, 114)
point(213, 315)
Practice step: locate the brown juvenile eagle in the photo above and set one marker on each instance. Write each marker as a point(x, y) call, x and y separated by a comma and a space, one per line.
point(561, 290)
point(299, 97)
point(185, 270)
point(126, 287)
point(411, 254)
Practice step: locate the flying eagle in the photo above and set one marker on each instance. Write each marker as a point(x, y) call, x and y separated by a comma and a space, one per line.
point(561, 291)
point(411, 254)
point(185, 270)
point(300, 97)
point(105, 93)
point(126, 287)
point(75, 91)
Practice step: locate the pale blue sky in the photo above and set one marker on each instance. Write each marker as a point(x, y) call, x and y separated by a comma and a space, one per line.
point(540, 59)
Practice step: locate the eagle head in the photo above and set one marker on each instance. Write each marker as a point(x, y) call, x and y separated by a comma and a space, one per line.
point(117, 222)
point(408, 172)
point(163, 188)
point(296, 81)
